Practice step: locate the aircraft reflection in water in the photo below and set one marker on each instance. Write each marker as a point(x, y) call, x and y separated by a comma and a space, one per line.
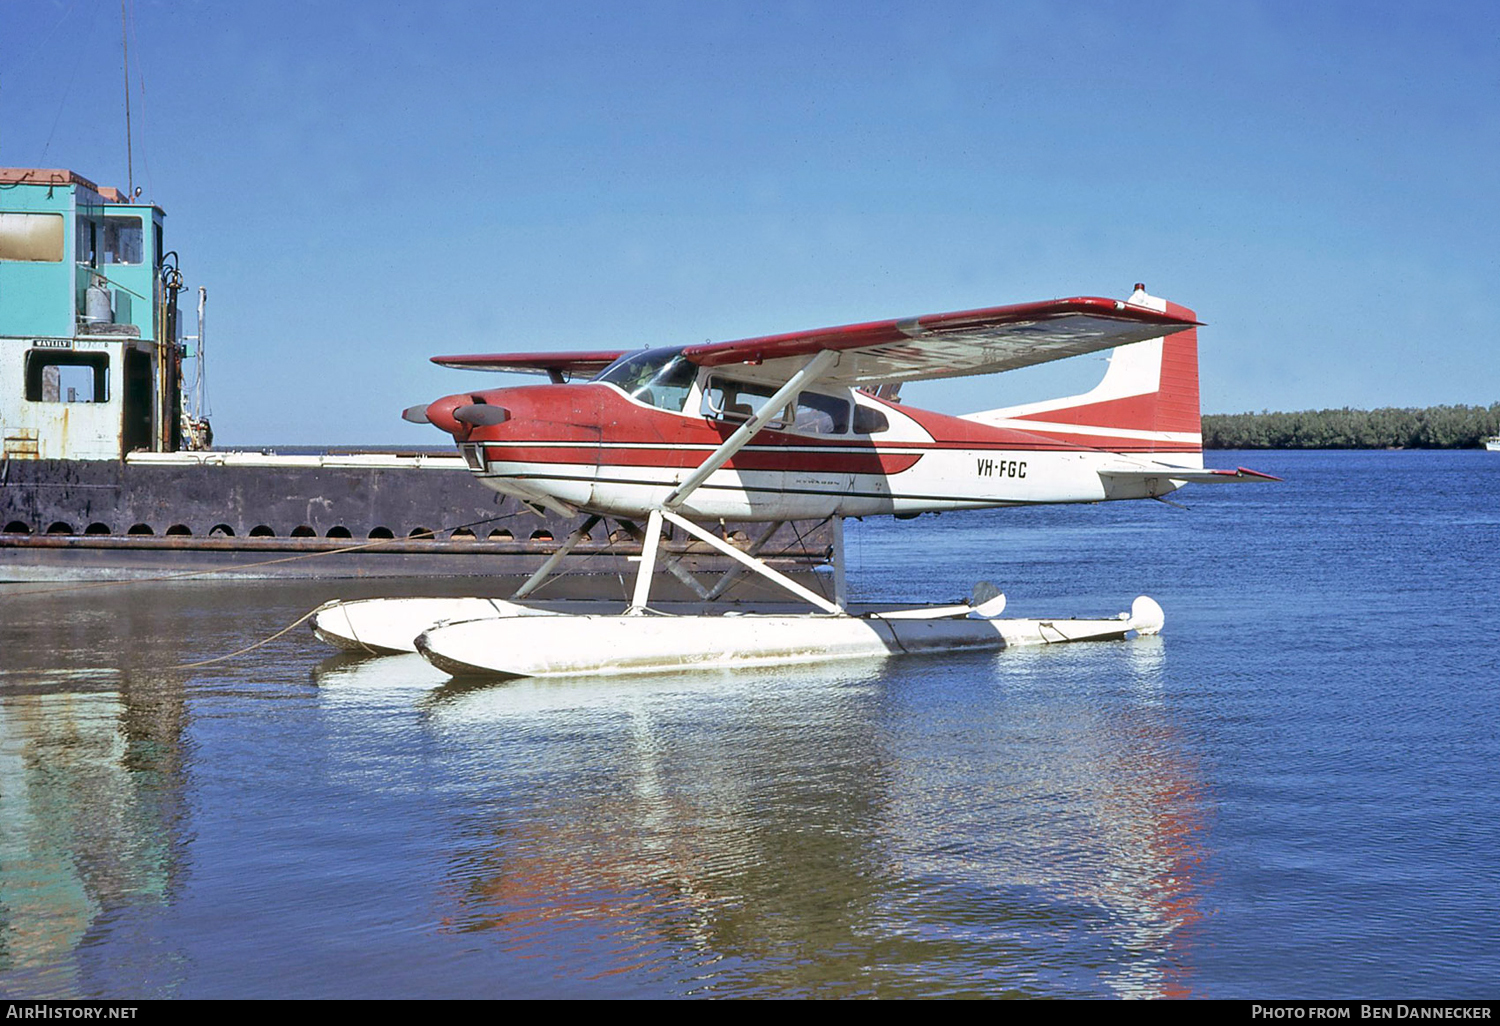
point(1085, 807)
point(790, 831)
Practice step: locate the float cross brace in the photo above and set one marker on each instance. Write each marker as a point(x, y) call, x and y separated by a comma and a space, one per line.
point(653, 539)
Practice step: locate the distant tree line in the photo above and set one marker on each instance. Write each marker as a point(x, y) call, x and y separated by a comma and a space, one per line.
point(1436, 427)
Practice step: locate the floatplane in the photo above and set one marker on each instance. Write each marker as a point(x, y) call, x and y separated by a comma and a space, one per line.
point(799, 426)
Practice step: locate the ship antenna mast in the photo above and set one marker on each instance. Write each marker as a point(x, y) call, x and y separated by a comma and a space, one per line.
point(125, 48)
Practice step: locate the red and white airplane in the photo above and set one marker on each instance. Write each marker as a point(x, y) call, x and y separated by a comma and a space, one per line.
point(809, 425)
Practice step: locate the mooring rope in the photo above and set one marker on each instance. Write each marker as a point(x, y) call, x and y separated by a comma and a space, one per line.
point(312, 612)
point(248, 648)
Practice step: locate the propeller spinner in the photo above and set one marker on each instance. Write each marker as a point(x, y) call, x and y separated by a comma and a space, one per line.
point(481, 414)
point(455, 410)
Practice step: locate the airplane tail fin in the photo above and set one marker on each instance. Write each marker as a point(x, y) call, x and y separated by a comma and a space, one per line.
point(1146, 403)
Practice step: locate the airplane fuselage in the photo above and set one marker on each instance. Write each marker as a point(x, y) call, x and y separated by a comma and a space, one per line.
point(832, 452)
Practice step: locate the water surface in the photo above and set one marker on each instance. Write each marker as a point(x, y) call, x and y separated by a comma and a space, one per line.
point(1290, 793)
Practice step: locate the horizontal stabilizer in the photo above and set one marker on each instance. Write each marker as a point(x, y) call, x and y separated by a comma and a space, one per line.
point(1187, 474)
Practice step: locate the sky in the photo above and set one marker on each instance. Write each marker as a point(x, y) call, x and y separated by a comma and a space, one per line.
point(363, 185)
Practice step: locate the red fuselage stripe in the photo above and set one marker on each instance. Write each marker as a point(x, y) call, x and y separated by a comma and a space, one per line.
point(872, 462)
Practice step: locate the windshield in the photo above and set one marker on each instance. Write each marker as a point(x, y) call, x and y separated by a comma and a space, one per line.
point(656, 377)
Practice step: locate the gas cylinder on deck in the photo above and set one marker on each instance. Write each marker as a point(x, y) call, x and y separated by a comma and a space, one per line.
point(97, 305)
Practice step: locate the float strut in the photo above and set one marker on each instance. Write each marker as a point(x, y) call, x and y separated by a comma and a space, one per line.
point(648, 565)
point(840, 584)
point(737, 571)
point(535, 580)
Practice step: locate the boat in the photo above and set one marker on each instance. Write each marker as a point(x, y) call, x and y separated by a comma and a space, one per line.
point(1492, 444)
point(107, 467)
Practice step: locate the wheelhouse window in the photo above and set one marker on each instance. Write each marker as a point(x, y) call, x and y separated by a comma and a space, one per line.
point(656, 377)
point(109, 239)
point(31, 237)
point(66, 377)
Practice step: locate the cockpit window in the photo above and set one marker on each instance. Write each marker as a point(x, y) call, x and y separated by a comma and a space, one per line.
point(811, 413)
point(870, 421)
point(739, 401)
point(656, 377)
point(820, 415)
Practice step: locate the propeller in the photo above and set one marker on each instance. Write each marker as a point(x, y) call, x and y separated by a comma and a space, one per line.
point(416, 414)
point(481, 415)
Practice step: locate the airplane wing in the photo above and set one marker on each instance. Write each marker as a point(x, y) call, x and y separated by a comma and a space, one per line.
point(554, 365)
point(950, 345)
point(947, 345)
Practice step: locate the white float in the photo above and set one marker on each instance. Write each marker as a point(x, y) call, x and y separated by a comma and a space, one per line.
point(500, 638)
point(389, 626)
point(630, 644)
